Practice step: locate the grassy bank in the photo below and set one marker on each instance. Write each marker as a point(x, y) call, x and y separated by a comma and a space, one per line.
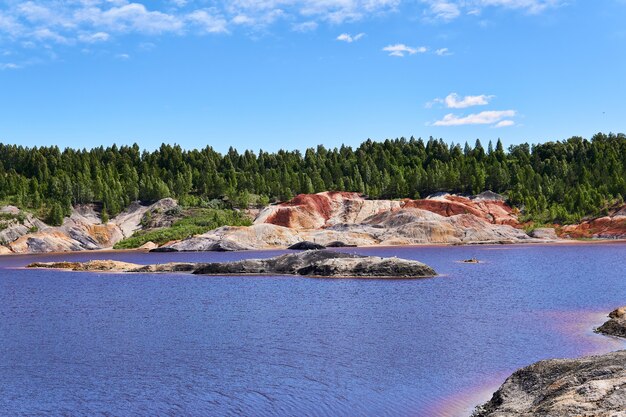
point(193, 222)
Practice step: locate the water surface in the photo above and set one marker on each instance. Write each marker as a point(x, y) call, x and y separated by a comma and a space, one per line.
point(173, 344)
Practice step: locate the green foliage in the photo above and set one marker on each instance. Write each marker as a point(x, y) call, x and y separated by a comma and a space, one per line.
point(551, 182)
point(194, 222)
point(56, 214)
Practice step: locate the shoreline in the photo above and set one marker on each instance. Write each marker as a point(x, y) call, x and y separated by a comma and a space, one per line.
point(465, 402)
point(560, 242)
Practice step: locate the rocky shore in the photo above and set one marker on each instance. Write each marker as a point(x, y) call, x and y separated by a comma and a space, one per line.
point(320, 263)
point(593, 386)
point(616, 325)
point(323, 220)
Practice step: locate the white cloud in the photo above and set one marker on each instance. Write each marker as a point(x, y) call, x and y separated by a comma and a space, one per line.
point(8, 66)
point(505, 123)
point(305, 26)
point(43, 23)
point(401, 49)
point(483, 118)
point(94, 37)
point(454, 101)
point(209, 21)
point(443, 52)
point(447, 10)
point(132, 17)
point(444, 10)
point(345, 37)
point(123, 57)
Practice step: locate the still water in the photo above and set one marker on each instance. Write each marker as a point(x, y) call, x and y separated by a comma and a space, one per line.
point(123, 345)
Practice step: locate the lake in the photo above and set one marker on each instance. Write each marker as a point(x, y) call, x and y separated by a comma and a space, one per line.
point(179, 345)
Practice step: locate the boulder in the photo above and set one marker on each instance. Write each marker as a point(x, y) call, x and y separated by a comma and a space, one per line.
point(616, 325)
point(547, 233)
point(306, 245)
point(148, 246)
point(339, 244)
point(593, 386)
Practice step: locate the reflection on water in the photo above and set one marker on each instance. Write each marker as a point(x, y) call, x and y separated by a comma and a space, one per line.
point(87, 344)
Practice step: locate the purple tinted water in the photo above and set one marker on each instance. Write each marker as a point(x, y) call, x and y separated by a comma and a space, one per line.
point(111, 344)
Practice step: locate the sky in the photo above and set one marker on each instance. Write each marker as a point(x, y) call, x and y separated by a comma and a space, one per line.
point(292, 74)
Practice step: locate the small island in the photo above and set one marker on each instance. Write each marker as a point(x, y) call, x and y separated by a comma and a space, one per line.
point(318, 263)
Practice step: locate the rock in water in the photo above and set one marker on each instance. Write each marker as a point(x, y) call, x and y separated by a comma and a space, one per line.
point(306, 245)
point(323, 263)
point(308, 263)
point(593, 386)
point(616, 325)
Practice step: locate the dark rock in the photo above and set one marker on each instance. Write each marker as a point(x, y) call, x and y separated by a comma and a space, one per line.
point(323, 263)
point(164, 249)
point(470, 261)
point(308, 263)
point(339, 244)
point(616, 325)
point(306, 245)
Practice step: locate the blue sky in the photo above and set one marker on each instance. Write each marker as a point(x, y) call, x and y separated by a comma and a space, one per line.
point(292, 74)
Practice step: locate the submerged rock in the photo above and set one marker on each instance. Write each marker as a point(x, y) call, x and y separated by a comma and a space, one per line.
point(616, 325)
point(309, 263)
point(593, 386)
point(470, 261)
point(306, 245)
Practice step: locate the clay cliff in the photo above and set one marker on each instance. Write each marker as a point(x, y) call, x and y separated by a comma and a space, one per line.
point(82, 230)
point(315, 211)
point(323, 218)
point(354, 220)
point(611, 226)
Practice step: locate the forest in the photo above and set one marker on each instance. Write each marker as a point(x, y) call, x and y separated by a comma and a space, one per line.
point(553, 182)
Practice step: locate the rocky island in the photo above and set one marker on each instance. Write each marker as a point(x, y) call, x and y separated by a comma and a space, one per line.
point(320, 263)
point(593, 386)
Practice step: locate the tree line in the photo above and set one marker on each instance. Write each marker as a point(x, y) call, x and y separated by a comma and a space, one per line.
point(560, 181)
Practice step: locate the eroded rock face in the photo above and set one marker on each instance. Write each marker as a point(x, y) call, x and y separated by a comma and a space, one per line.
point(315, 211)
point(358, 222)
point(593, 386)
point(320, 263)
point(612, 226)
point(83, 230)
point(616, 325)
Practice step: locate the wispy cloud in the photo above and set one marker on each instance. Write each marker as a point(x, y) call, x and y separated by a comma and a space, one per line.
point(444, 10)
point(8, 66)
point(454, 101)
point(505, 123)
point(443, 52)
point(401, 50)
point(490, 117)
point(304, 27)
point(447, 10)
point(346, 37)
